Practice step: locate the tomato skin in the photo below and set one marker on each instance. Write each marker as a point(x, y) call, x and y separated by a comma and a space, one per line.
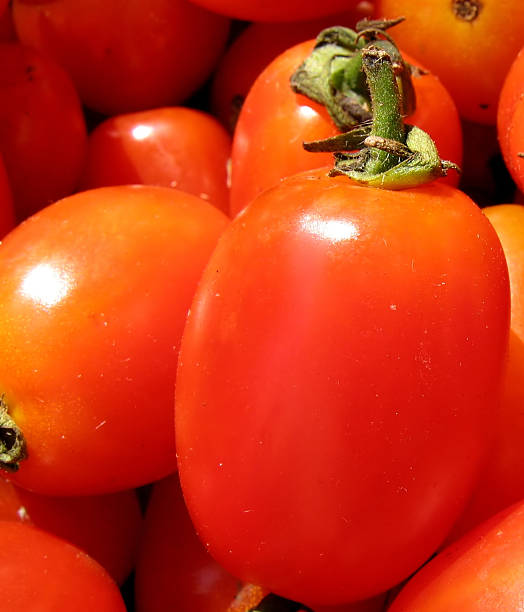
point(125, 55)
point(43, 135)
point(41, 571)
point(330, 418)
point(100, 284)
point(170, 147)
point(7, 213)
point(501, 483)
point(106, 527)
point(174, 571)
point(274, 11)
point(473, 62)
point(480, 572)
point(274, 122)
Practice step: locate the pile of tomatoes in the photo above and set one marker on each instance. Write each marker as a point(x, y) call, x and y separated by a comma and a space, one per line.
point(233, 379)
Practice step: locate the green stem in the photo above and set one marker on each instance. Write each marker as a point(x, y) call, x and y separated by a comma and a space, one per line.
point(12, 443)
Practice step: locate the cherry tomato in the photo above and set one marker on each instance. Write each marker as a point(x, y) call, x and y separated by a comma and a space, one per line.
point(482, 572)
point(95, 290)
point(273, 10)
point(274, 122)
point(43, 135)
point(174, 571)
point(7, 214)
point(337, 383)
point(43, 572)
point(106, 527)
point(126, 55)
point(254, 48)
point(510, 120)
point(501, 482)
point(172, 147)
point(468, 44)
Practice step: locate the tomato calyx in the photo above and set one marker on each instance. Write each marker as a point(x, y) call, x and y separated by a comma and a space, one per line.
point(385, 153)
point(12, 442)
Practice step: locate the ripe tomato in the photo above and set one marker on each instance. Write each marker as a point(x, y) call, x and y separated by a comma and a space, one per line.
point(94, 294)
point(273, 10)
point(481, 40)
point(7, 215)
point(254, 48)
point(501, 483)
point(43, 572)
point(337, 383)
point(42, 128)
point(174, 571)
point(170, 147)
point(126, 55)
point(275, 121)
point(510, 120)
point(106, 527)
point(482, 572)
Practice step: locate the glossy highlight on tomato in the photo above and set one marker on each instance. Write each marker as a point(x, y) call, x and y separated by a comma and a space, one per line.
point(338, 381)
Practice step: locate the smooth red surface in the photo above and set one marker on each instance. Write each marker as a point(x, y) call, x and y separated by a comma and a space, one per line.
point(42, 572)
point(7, 213)
point(171, 147)
point(42, 128)
point(95, 292)
point(106, 527)
point(482, 572)
point(338, 383)
point(274, 122)
point(471, 57)
point(126, 55)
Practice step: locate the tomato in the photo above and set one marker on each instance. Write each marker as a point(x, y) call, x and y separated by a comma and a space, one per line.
point(337, 383)
point(275, 121)
point(95, 290)
point(254, 48)
point(482, 572)
point(7, 29)
point(510, 120)
point(174, 571)
point(43, 135)
point(126, 55)
point(7, 214)
point(164, 146)
point(481, 40)
point(273, 10)
point(41, 571)
point(501, 482)
point(106, 527)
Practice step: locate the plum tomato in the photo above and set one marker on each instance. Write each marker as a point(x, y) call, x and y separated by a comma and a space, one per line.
point(126, 55)
point(43, 136)
point(171, 147)
point(338, 381)
point(94, 295)
point(41, 571)
point(106, 527)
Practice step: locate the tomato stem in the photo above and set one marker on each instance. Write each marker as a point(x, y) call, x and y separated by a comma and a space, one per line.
point(12, 443)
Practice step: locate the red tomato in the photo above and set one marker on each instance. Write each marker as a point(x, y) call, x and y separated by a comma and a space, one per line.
point(95, 291)
point(337, 383)
point(42, 128)
point(126, 55)
point(482, 572)
point(7, 29)
point(274, 122)
point(469, 44)
point(7, 214)
point(501, 483)
point(170, 147)
point(254, 48)
point(174, 571)
point(275, 10)
point(106, 527)
point(510, 120)
point(43, 572)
